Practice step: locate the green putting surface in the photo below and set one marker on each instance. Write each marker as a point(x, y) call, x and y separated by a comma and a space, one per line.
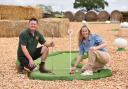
point(59, 62)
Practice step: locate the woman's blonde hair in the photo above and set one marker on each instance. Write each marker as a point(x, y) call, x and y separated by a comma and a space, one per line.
point(80, 36)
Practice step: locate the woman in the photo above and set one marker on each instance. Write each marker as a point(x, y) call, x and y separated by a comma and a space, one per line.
point(94, 45)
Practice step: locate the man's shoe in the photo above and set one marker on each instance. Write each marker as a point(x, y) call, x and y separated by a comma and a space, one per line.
point(42, 68)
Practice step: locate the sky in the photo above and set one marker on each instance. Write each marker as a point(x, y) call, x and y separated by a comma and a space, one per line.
point(66, 5)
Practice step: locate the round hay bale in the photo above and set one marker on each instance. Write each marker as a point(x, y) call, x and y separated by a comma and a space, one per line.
point(91, 16)
point(103, 16)
point(69, 15)
point(116, 16)
point(125, 15)
point(79, 16)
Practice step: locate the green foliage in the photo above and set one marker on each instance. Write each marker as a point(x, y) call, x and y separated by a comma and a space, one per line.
point(59, 14)
point(90, 4)
point(46, 9)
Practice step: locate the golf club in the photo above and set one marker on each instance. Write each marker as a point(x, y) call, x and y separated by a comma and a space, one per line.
point(52, 51)
point(70, 36)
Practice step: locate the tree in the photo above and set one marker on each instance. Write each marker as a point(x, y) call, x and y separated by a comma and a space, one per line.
point(90, 4)
point(45, 9)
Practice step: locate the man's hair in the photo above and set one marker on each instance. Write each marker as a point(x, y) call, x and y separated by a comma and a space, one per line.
point(33, 19)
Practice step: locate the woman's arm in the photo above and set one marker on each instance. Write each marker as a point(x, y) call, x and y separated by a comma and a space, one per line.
point(28, 56)
point(77, 62)
point(103, 45)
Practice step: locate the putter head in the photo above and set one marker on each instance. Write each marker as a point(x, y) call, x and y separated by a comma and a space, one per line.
point(72, 72)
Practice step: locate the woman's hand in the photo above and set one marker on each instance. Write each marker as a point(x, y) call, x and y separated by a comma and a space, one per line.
point(92, 48)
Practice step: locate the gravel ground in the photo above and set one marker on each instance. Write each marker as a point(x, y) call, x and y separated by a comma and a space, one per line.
point(119, 63)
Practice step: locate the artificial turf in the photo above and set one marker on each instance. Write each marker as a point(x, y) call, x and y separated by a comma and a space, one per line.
point(59, 63)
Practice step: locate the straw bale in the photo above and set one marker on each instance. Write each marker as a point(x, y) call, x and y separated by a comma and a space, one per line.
point(59, 26)
point(91, 16)
point(69, 15)
point(116, 16)
point(103, 16)
point(10, 28)
point(10, 12)
point(79, 16)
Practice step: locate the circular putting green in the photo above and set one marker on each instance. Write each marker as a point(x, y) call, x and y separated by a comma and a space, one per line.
point(59, 63)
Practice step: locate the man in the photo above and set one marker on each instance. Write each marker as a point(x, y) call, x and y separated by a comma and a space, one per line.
point(27, 50)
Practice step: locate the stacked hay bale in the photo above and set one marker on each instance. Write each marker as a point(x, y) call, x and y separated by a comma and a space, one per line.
point(10, 28)
point(103, 16)
point(91, 16)
point(19, 12)
point(69, 15)
point(116, 16)
point(13, 19)
point(58, 26)
point(79, 16)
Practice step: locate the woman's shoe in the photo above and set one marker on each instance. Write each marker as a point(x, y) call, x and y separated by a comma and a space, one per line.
point(87, 72)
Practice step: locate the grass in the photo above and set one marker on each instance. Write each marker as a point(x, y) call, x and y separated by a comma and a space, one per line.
point(60, 62)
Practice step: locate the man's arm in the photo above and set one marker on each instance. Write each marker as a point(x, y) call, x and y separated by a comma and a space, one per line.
point(51, 44)
point(28, 56)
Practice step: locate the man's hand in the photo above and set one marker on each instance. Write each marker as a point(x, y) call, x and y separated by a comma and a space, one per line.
point(52, 44)
point(72, 71)
point(31, 63)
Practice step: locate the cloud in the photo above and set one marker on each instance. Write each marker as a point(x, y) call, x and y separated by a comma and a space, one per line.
point(23, 2)
point(117, 5)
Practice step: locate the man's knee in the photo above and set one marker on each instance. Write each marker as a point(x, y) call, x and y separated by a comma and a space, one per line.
point(44, 49)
